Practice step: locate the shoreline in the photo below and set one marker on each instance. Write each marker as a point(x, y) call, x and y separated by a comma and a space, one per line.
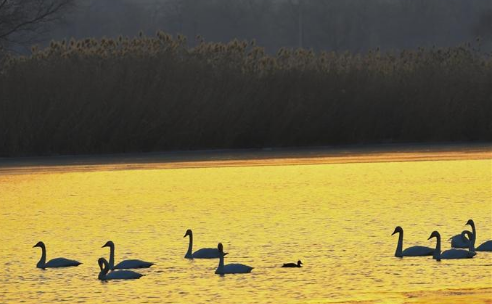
point(257, 157)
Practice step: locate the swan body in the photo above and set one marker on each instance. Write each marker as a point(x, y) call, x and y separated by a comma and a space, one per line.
point(54, 263)
point(230, 268)
point(293, 265)
point(115, 275)
point(459, 241)
point(204, 253)
point(414, 251)
point(452, 253)
point(126, 264)
point(487, 246)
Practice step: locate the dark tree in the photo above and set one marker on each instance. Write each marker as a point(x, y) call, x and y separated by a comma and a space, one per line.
point(23, 21)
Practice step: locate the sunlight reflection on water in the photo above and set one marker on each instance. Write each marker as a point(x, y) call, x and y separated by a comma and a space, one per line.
point(336, 218)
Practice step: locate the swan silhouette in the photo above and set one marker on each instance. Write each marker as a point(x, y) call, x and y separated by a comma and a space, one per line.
point(460, 241)
point(54, 263)
point(410, 251)
point(126, 264)
point(204, 253)
point(115, 275)
point(452, 253)
point(486, 246)
point(230, 268)
point(291, 265)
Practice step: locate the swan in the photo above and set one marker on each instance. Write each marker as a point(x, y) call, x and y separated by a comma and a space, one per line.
point(291, 265)
point(204, 253)
point(452, 253)
point(460, 241)
point(115, 275)
point(413, 251)
point(54, 263)
point(487, 246)
point(230, 268)
point(126, 264)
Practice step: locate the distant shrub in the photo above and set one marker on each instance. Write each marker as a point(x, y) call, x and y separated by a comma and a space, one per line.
point(155, 94)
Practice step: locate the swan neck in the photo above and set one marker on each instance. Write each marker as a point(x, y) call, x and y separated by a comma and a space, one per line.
point(42, 261)
point(474, 231)
point(472, 243)
point(399, 248)
point(221, 262)
point(437, 252)
point(111, 258)
point(189, 253)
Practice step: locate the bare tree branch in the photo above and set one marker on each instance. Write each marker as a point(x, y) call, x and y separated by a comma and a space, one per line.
point(21, 21)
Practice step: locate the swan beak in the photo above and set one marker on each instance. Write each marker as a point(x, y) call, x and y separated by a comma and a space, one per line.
point(394, 232)
point(226, 253)
point(35, 246)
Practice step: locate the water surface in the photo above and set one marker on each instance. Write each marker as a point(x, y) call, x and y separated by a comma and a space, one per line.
point(337, 218)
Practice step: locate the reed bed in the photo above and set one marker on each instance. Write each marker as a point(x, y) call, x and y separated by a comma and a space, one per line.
point(155, 93)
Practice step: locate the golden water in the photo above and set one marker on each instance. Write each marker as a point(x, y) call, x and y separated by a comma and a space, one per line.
point(336, 218)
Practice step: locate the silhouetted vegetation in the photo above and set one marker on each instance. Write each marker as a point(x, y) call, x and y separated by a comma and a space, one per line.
point(156, 93)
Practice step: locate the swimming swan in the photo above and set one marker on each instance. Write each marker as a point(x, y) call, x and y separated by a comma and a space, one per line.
point(413, 251)
point(291, 265)
point(487, 246)
point(460, 241)
point(126, 264)
point(204, 253)
point(54, 263)
point(115, 275)
point(230, 268)
point(452, 253)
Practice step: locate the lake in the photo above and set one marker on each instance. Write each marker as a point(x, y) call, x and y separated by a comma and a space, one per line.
point(335, 216)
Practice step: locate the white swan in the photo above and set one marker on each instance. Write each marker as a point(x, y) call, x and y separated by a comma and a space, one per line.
point(413, 251)
point(126, 264)
point(486, 246)
point(115, 275)
point(452, 253)
point(230, 268)
point(204, 253)
point(54, 263)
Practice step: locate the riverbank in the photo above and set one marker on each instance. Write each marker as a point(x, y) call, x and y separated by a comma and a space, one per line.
point(254, 157)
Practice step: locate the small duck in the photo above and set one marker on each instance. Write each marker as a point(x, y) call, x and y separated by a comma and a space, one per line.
point(292, 265)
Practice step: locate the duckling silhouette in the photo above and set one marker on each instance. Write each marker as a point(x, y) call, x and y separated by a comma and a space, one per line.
point(291, 265)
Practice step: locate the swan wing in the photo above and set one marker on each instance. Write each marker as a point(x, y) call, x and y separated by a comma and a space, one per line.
point(123, 275)
point(61, 262)
point(237, 268)
point(206, 253)
point(133, 264)
point(459, 241)
point(418, 251)
point(457, 254)
point(487, 246)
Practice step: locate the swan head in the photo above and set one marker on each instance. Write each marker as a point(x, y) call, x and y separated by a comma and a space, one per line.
point(398, 229)
point(221, 249)
point(108, 244)
point(434, 234)
point(188, 232)
point(104, 266)
point(39, 244)
point(470, 222)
